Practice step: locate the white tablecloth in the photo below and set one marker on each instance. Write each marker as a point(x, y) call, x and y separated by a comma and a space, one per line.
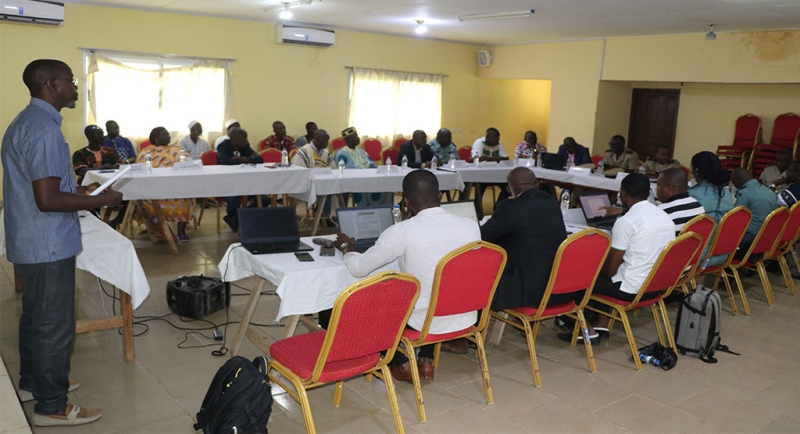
point(493, 173)
point(108, 255)
point(211, 181)
point(369, 181)
point(304, 287)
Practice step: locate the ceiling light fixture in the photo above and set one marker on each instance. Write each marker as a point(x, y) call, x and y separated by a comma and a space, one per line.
point(421, 28)
point(496, 16)
point(710, 36)
point(284, 6)
point(286, 15)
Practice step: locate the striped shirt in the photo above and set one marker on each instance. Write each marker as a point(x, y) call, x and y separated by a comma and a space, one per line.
point(681, 208)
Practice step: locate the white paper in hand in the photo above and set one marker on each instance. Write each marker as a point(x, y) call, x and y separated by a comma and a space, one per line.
point(111, 180)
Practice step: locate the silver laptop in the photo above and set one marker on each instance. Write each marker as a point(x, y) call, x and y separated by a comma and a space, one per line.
point(464, 208)
point(365, 224)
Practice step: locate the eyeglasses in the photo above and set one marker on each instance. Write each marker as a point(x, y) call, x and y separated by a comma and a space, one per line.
point(73, 80)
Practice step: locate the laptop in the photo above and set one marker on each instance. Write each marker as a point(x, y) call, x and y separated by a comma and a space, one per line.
point(270, 230)
point(463, 208)
point(552, 161)
point(365, 224)
point(592, 209)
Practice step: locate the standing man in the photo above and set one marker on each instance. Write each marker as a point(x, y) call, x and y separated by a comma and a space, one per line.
point(120, 144)
point(416, 150)
point(443, 147)
point(279, 140)
point(619, 158)
point(44, 236)
point(193, 144)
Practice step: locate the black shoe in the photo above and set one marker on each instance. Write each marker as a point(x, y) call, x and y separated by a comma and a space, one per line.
point(744, 272)
point(565, 323)
point(602, 333)
point(232, 222)
point(567, 337)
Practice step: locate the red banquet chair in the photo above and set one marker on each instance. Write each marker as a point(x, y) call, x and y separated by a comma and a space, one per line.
point(337, 144)
point(765, 242)
point(271, 155)
point(143, 145)
point(465, 281)
point(465, 153)
point(726, 239)
point(577, 264)
point(367, 318)
point(786, 245)
point(703, 226)
point(398, 142)
point(209, 158)
point(663, 277)
point(596, 159)
point(785, 135)
point(745, 137)
point(392, 153)
point(373, 148)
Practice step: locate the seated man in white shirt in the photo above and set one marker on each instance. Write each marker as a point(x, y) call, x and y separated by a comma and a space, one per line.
point(637, 239)
point(193, 144)
point(489, 148)
point(418, 243)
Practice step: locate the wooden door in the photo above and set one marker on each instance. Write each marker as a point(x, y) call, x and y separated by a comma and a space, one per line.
point(654, 120)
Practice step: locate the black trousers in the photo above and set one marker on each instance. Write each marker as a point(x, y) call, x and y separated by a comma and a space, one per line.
point(234, 202)
point(604, 286)
point(46, 331)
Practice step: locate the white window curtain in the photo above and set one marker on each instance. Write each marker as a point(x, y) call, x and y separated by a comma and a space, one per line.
point(142, 93)
point(387, 105)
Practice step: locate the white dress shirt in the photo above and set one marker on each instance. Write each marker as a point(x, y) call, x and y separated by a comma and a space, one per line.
point(195, 150)
point(418, 244)
point(642, 233)
point(480, 145)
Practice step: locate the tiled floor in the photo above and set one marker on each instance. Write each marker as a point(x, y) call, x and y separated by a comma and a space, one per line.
point(161, 391)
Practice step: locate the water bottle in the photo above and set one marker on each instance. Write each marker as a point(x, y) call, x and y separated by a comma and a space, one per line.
point(649, 359)
point(528, 162)
point(284, 158)
point(600, 169)
point(182, 155)
point(397, 215)
point(433, 164)
point(341, 167)
point(564, 202)
point(570, 164)
point(641, 169)
point(539, 160)
point(405, 163)
point(148, 163)
point(452, 160)
point(476, 161)
point(389, 165)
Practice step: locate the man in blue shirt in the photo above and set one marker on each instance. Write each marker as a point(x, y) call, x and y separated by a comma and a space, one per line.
point(120, 144)
point(43, 238)
point(756, 197)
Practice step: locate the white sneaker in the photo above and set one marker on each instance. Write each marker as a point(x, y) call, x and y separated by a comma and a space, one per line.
point(74, 415)
point(25, 396)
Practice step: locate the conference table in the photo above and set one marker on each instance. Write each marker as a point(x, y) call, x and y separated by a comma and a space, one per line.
point(111, 257)
point(303, 287)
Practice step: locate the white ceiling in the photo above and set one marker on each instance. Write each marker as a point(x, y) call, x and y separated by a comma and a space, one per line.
point(553, 20)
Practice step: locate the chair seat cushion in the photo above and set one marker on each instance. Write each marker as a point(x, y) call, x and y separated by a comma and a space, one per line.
point(557, 309)
point(433, 337)
point(300, 353)
point(641, 304)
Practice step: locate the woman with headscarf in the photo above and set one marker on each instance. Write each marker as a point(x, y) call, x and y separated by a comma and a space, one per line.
point(174, 210)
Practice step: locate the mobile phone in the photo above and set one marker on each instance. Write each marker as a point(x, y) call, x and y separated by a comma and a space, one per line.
point(304, 257)
point(327, 251)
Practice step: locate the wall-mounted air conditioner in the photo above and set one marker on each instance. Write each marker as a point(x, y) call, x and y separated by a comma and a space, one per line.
point(32, 11)
point(304, 36)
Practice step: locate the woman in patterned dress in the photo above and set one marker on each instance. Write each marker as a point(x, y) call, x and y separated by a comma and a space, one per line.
point(175, 210)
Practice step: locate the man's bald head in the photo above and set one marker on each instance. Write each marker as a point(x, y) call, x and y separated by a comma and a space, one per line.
point(671, 182)
point(740, 176)
point(521, 180)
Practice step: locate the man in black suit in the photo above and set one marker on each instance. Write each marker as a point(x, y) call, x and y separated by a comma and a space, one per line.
point(530, 228)
point(417, 151)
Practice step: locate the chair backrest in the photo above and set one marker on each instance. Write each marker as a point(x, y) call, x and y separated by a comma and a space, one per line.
point(369, 317)
point(577, 264)
point(337, 144)
point(292, 152)
point(729, 233)
point(465, 281)
point(596, 159)
point(392, 153)
point(769, 235)
point(144, 144)
point(786, 130)
point(373, 149)
point(686, 171)
point(670, 264)
point(398, 142)
point(465, 153)
point(791, 233)
point(271, 155)
point(702, 226)
point(209, 158)
point(748, 131)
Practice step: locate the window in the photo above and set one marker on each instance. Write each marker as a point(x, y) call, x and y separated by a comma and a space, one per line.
point(142, 93)
point(389, 104)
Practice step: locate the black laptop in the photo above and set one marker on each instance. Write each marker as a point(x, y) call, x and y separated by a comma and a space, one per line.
point(552, 161)
point(592, 209)
point(365, 224)
point(270, 230)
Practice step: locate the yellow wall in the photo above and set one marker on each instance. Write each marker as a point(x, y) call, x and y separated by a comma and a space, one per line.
point(613, 114)
point(514, 107)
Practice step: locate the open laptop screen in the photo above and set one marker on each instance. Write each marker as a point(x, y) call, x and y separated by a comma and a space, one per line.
point(268, 225)
point(592, 205)
point(464, 208)
point(366, 222)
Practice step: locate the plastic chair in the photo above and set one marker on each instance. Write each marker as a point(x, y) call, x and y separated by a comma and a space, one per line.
point(465, 281)
point(726, 239)
point(392, 153)
point(577, 264)
point(143, 145)
point(663, 277)
point(746, 136)
point(271, 155)
point(785, 135)
point(209, 158)
point(368, 318)
point(765, 242)
point(465, 153)
point(399, 142)
point(373, 148)
point(702, 226)
point(337, 144)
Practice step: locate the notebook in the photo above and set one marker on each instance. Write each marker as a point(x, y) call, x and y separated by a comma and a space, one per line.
point(270, 230)
point(365, 224)
point(464, 208)
point(592, 209)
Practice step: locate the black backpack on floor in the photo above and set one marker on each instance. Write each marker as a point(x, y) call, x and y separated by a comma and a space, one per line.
point(239, 399)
